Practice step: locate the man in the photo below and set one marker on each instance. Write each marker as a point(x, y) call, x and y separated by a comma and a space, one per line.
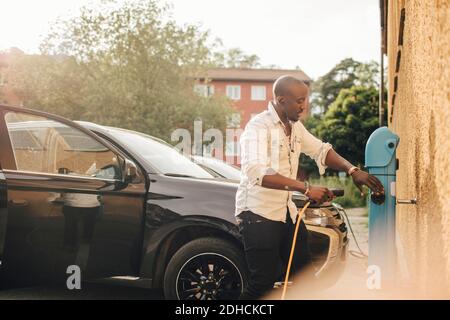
point(270, 149)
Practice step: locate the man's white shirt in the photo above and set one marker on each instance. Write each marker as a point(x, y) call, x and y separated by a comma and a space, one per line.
point(265, 149)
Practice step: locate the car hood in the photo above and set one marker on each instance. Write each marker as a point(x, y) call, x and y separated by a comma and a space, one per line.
point(175, 196)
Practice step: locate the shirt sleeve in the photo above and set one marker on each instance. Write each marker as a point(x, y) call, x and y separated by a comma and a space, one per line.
point(314, 148)
point(255, 161)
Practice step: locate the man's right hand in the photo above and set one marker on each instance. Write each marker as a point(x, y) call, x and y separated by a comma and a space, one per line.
point(320, 194)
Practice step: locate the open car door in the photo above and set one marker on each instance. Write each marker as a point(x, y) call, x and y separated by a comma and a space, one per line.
point(3, 213)
point(70, 202)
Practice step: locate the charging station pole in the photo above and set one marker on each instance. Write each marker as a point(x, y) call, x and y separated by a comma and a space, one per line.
point(381, 162)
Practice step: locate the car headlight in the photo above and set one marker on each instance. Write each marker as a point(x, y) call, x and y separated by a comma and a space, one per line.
point(319, 217)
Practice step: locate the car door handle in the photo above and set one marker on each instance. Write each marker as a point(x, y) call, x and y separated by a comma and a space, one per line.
point(57, 201)
point(19, 202)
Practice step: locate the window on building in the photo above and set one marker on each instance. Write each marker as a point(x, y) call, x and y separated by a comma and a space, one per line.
point(259, 93)
point(234, 120)
point(234, 92)
point(204, 90)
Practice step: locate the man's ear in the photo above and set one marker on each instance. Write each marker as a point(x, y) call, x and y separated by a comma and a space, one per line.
point(281, 100)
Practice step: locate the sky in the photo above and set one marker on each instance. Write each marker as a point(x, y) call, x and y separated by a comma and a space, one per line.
point(311, 34)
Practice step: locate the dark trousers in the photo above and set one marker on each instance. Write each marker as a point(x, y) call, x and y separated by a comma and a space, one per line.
point(79, 225)
point(267, 246)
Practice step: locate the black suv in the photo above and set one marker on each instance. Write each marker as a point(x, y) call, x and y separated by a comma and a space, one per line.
point(126, 207)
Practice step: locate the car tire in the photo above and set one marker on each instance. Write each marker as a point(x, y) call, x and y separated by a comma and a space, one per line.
point(206, 269)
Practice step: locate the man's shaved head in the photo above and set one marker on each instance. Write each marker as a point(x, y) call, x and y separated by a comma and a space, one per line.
point(283, 83)
point(290, 97)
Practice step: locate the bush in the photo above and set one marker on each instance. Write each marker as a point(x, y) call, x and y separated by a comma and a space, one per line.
point(351, 198)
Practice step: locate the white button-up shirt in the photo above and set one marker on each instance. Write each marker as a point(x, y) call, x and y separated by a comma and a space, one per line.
point(266, 149)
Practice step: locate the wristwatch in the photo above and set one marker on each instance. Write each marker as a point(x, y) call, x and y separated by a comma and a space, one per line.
point(307, 187)
point(352, 170)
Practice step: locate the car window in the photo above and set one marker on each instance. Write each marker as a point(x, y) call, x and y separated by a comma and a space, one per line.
point(47, 146)
point(222, 168)
point(163, 157)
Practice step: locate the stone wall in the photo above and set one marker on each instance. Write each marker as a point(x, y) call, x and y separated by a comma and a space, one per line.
point(420, 114)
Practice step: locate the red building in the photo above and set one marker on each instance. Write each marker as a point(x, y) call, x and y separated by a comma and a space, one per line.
point(250, 89)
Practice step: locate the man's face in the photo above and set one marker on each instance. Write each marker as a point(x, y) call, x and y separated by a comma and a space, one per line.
point(295, 101)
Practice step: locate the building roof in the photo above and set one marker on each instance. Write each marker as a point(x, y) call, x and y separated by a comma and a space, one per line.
point(246, 74)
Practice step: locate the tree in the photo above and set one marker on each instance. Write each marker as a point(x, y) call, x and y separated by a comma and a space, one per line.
point(308, 166)
point(235, 58)
point(349, 122)
point(344, 75)
point(127, 66)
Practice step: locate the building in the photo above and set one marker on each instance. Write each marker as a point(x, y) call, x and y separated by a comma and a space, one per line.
point(249, 89)
point(417, 44)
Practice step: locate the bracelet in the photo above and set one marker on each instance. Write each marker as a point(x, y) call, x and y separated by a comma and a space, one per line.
point(307, 191)
point(352, 170)
point(307, 187)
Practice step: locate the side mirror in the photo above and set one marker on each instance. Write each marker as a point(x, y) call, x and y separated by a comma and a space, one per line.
point(130, 171)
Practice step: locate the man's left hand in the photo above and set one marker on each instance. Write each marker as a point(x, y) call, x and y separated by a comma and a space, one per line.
point(361, 178)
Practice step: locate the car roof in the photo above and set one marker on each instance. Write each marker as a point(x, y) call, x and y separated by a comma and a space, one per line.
point(106, 129)
point(35, 124)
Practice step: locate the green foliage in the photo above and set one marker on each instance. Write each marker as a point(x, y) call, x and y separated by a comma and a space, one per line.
point(352, 197)
point(349, 122)
point(348, 97)
point(235, 58)
point(307, 164)
point(344, 75)
point(124, 65)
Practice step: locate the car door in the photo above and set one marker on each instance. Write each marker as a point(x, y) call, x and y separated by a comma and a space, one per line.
point(3, 213)
point(68, 202)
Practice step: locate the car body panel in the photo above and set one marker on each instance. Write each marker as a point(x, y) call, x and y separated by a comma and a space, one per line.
point(3, 212)
point(44, 236)
point(177, 203)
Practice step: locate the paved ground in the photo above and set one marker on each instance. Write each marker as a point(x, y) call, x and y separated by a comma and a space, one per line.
point(88, 291)
point(359, 222)
point(350, 285)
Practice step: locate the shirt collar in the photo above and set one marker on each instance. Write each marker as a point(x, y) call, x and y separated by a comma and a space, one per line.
point(273, 113)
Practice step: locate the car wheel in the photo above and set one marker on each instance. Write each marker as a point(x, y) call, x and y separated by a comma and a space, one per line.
point(206, 269)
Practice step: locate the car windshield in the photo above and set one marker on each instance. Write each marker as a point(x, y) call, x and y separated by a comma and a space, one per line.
point(160, 155)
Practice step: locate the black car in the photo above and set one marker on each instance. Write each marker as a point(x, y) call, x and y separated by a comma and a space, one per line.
point(123, 206)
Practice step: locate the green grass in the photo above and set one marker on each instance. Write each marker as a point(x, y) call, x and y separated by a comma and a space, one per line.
point(352, 197)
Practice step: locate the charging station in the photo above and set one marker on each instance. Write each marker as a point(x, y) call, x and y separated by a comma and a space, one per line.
point(380, 158)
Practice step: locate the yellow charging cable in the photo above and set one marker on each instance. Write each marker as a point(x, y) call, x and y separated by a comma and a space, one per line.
point(297, 224)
